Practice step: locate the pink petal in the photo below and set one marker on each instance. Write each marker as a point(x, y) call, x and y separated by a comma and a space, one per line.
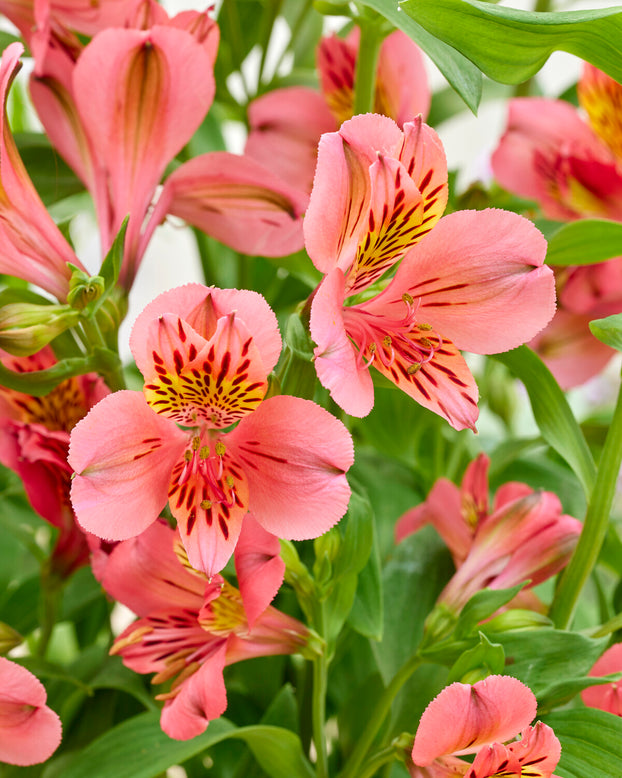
point(201, 698)
point(285, 129)
point(443, 767)
point(190, 303)
point(237, 201)
point(30, 732)
point(295, 456)
point(479, 280)
point(609, 696)
point(258, 566)
point(462, 718)
point(494, 760)
point(31, 245)
point(537, 751)
point(139, 116)
point(336, 362)
point(146, 575)
point(594, 290)
point(402, 90)
point(123, 455)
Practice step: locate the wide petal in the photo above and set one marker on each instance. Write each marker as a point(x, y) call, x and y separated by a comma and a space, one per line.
point(295, 456)
point(258, 566)
point(494, 760)
point(123, 455)
point(238, 201)
point(537, 751)
point(30, 732)
point(478, 279)
point(141, 113)
point(285, 126)
point(462, 718)
point(201, 698)
point(201, 307)
point(338, 366)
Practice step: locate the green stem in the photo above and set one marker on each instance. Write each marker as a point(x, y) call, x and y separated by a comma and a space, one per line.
point(366, 63)
point(318, 702)
point(595, 526)
point(375, 762)
point(270, 12)
point(542, 6)
point(353, 765)
point(108, 363)
point(48, 609)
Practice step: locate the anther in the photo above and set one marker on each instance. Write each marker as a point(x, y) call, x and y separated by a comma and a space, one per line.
point(424, 327)
point(414, 368)
point(220, 448)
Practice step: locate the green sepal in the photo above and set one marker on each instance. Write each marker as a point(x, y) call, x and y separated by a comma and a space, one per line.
point(111, 265)
point(475, 663)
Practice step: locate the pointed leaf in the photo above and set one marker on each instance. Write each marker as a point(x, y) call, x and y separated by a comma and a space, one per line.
point(111, 265)
point(482, 605)
point(609, 330)
point(485, 656)
point(585, 242)
point(510, 46)
point(552, 413)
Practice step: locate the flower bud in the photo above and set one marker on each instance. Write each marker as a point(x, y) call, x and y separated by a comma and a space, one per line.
point(516, 618)
point(26, 328)
point(84, 289)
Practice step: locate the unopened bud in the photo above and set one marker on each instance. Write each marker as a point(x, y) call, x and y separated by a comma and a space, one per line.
point(26, 328)
point(517, 618)
point(84, 289)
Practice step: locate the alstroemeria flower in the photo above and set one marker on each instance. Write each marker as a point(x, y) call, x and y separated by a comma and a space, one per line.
point(608, 696)
point(524, 537)
point(190, 628)
point(474, 280)
point(31, 245)
point(286, 124)
point(29, 731)
point(34, 442)
point(479, 719)
point(205, 354)
point(573, 169)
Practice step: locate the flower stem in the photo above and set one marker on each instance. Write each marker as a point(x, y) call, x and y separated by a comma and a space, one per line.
point(318, 702)
point(378, 760)
point(595, 525)
point(353, 765)
point(366, 63)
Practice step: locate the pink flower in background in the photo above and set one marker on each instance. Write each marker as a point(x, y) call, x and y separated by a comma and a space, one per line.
point(30, 732)
point(607, 697)
point(479, 719)
point(525, 537)
point(191, 628)
point(205, 354)
point(573, 169)
point(34, 442)
point(473, 280)
point(286, 124)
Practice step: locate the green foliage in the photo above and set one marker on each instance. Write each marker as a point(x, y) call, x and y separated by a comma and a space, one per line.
point(590, 743)
point(585, 242)
point(609, 330)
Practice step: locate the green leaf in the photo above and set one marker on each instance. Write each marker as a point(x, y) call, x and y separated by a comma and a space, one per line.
point(482, 605)
point(510, 46)
point(561, 692)
point(111, 265)
point(54, 180)
point(459, 72)
point(486, 657)
point(590, 743)
point(585, 242)
point(552, 413)
point(609, 330)
point(367, 614)
point(138, 748)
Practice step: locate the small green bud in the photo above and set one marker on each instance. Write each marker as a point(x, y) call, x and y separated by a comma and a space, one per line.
point(26, 328)
point(84, 289)
point(516, 618)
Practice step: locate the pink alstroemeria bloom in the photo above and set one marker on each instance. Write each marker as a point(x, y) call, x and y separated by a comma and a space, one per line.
point(474, 280)
point(31, 245)
point(34, 442)
point(525, 537)
point(191, 628)
point(205, 354)
point(29, 731)
point(573, 169)
point(286, 124)
point(478, 719)
point(608, 696)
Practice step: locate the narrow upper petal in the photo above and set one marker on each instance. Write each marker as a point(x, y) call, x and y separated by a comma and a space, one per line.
point(295, 456)
point(30, 732)
point(537, 751)
point(462, 718)
point(478, 279)
point(123, 454)
point(238, 201)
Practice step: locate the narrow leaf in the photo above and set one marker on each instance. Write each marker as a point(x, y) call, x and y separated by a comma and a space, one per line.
point(111, 265)
point(552, 413)
point(585, 242)
point(609, 330)
point(510, 45)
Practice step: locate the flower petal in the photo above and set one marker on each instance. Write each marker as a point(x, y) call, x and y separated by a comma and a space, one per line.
point(462, 718)
point(537, 751)
point(123, 454)
point(295, 456)
point(609, 696)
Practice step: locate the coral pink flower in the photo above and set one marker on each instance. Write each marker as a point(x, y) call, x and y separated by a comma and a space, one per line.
point(609, 696)
point(524, 538)
point(286, 124)
point(31, 245)
point(34, 442)
point(206, 354)
point(190, 628)
point(472, 281)
point(29, 731)
point(465, 719)
point(573, 169)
